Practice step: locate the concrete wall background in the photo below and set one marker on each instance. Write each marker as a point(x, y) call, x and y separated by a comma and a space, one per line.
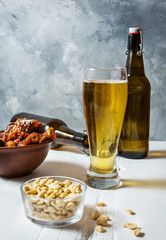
point(44, 46)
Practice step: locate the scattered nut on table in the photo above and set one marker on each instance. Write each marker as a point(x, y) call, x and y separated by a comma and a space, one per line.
point(124, 225)
point(137, 232)
point(100, 229)
point(95, 214)
point(101, 221)
point(105, 217)
point(131, 226)
point(101, 204)
point(131, 212)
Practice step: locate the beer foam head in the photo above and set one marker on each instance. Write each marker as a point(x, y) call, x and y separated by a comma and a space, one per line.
point(111, 81)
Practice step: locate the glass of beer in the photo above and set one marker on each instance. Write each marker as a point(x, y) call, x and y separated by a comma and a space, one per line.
point(104, 99)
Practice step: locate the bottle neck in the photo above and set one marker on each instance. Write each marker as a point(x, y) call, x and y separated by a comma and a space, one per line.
point(135, 64)
point(67, 136)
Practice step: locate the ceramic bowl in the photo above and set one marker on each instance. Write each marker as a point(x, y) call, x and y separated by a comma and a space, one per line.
point(21, 161)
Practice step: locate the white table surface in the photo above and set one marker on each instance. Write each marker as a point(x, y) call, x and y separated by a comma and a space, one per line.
point(143, 191)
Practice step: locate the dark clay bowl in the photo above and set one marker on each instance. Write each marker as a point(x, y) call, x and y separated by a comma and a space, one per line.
point(21, 161)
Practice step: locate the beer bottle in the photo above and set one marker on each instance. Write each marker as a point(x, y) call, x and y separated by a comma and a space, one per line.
point(134, 139)
point(64, 135)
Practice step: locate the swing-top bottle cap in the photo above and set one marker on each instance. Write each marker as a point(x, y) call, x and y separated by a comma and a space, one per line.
point(135, 30)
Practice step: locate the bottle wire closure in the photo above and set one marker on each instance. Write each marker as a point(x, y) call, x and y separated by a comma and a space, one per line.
point(137, 31)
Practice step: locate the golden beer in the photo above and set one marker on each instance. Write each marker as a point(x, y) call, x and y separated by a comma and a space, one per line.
point(104, 107)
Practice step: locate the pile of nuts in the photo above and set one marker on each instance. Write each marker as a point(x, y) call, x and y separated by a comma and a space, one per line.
point(133, 226)
point(101, 220)
point(55, 203)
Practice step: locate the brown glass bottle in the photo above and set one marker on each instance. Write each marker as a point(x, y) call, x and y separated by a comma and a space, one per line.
point(134, 139)
point(64, 135)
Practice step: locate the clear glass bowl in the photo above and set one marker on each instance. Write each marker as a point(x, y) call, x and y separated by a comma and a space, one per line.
point(54, 212)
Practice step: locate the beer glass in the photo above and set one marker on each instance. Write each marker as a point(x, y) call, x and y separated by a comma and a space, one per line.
point(104, 100)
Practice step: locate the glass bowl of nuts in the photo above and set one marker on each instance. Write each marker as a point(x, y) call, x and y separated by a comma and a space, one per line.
point(53, 201)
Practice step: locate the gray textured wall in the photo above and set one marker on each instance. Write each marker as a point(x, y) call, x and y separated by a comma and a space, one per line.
point(45, 44)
